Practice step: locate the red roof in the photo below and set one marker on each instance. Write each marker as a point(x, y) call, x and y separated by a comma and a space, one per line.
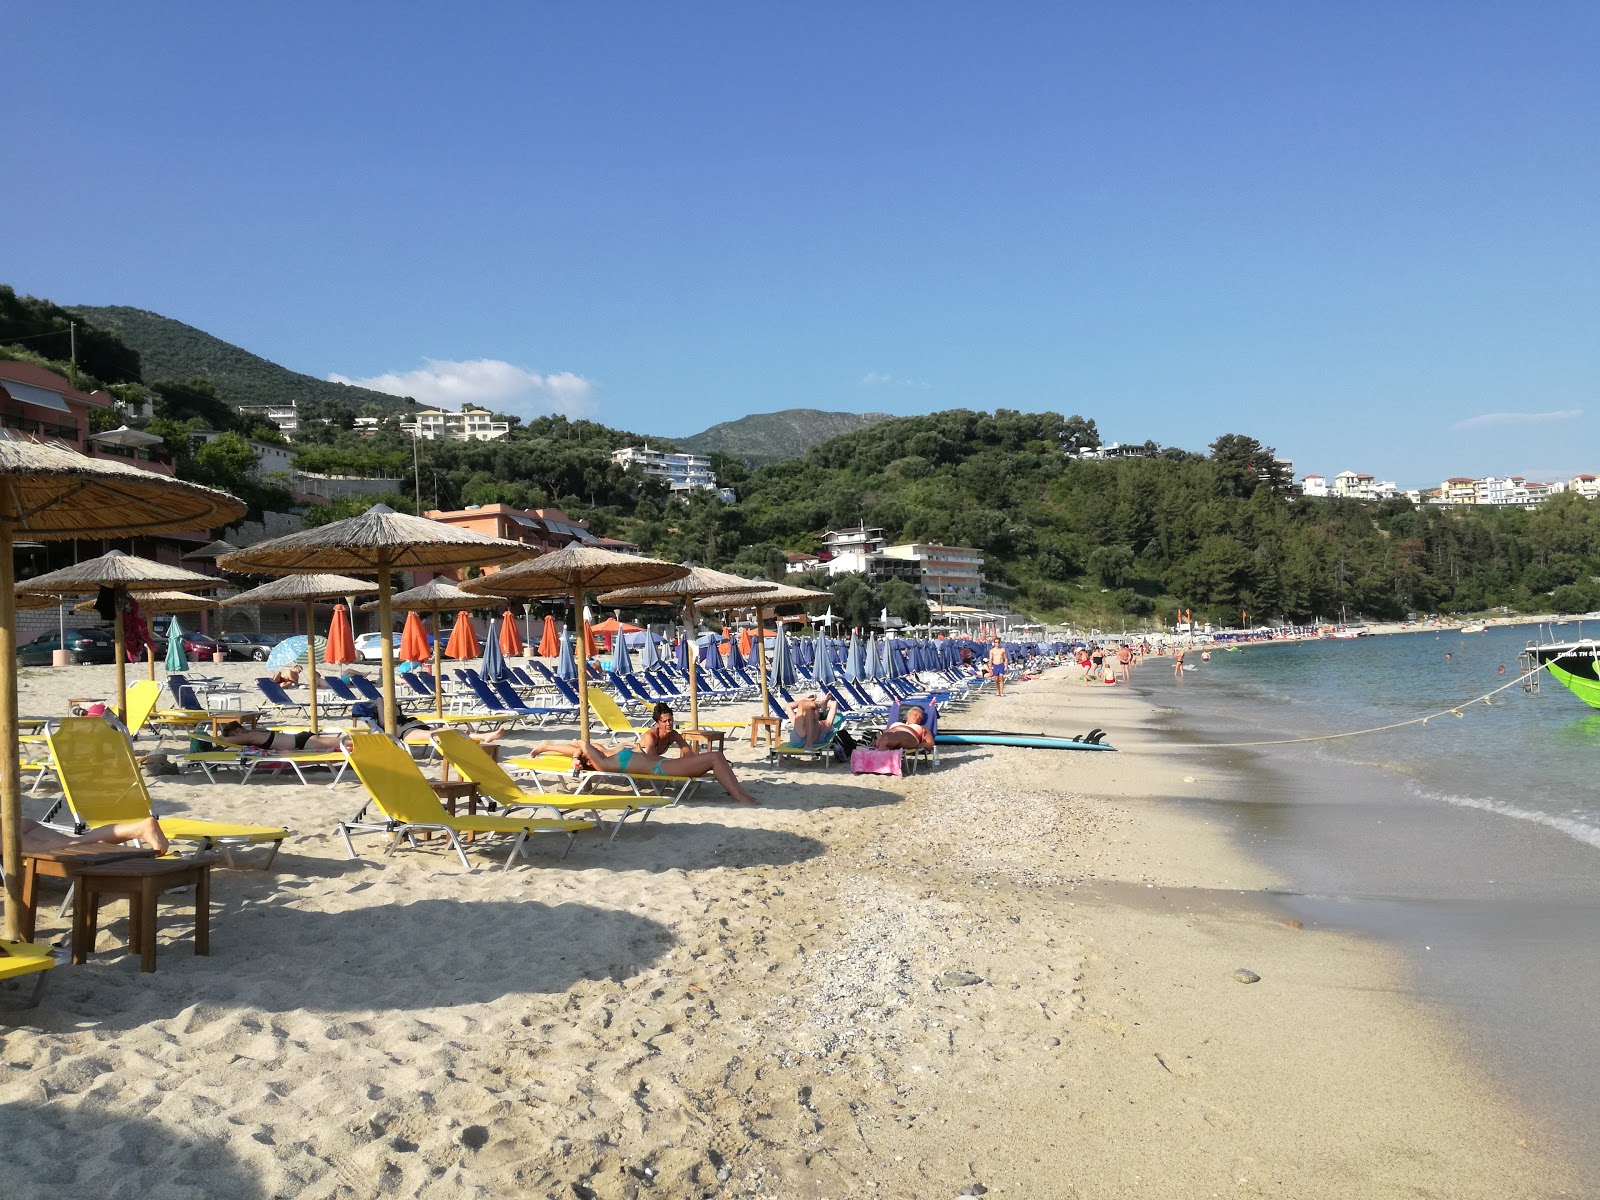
point(26, 372)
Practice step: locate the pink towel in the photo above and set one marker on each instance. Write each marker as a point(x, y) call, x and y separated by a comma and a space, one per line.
point(875, 762)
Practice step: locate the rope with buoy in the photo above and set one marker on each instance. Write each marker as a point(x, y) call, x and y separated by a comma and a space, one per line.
point(1454, 711)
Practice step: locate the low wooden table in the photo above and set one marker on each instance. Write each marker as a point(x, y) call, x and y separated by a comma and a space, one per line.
point(714, 739)
point(65, 862)
point(141, 881)
point(767, 725)
point(450, 794)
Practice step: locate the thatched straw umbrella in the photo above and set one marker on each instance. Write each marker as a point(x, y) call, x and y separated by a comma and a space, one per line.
point(122, 573)
point(160, 602)
point(51, 493)
point(761, 601)
point(307, 589)
point(575, 570)
point(211, 551)
point(701, 583)
point(380, 541)
point(437, 596)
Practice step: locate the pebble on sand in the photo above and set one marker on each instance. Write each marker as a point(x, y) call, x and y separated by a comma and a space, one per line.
point(959, 979)
point(1245, 975)
point(1052, 1041)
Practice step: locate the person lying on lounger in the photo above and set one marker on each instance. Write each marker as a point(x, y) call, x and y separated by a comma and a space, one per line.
point(810, 723)
point(909, 734)
point(685, 766)
point(278, 742)
point(36, 838)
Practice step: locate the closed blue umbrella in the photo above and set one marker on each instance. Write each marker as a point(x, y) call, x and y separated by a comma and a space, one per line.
point(566, 667)
point(713, 656)
point(853, 667)
point(872, 668)
point(735, 659)
point(782, 674)
point(620, 662)
point(894, 658)
point(682, 653)
point(822, 663)
point(648, 658)
point(493, 667)
point(177, 660)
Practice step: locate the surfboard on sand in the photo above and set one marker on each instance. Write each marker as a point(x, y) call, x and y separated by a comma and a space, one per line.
point(981, 737)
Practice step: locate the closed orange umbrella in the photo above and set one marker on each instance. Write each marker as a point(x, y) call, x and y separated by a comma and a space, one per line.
point(341, 642)
point(588, 640)
point(744, 642)
point(549, 639)
point(463, 640)
point(510, 639)
point(414, 641)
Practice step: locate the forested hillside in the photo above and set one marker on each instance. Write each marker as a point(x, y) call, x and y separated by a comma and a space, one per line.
point(771, 437)
point(170, 349)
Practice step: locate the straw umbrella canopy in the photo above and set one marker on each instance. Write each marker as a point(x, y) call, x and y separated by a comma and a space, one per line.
point(210, 551)
point(380, 541)
point(50, 493)
point(435, 597)
point(697, 583)
point(122, 573)
point(764, 596)
point(306, 589)
point(576, 570)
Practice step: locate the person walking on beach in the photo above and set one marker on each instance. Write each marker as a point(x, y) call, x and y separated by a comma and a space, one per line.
point(998, 660)
point(1125, 660)
point(1177, 665)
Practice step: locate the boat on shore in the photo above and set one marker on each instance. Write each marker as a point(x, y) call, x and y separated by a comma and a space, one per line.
point(1572, 664)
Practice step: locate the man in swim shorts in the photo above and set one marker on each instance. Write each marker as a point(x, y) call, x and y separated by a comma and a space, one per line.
point(999, 659)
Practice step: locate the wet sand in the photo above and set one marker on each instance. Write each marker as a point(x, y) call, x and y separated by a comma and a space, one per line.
point(1014, 972)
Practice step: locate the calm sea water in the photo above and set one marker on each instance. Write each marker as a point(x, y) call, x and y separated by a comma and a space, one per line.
point(1525, 757)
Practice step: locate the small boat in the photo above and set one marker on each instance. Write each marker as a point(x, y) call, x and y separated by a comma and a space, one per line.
point(1572, 664)
point(1475, 627)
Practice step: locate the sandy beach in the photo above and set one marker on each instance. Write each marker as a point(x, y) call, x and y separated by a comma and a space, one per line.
point(1009, 975)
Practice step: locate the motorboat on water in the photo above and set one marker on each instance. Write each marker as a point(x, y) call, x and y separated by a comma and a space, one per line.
point(1475, 627)
point(1573, 664)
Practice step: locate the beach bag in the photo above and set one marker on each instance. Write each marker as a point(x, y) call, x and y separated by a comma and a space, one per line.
point(875, 762)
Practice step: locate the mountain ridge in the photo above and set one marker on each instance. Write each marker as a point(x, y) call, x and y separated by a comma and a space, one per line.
point(171, 349)
point(761, 438)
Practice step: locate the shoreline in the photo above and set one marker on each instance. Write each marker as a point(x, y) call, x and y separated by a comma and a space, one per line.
point(852, 990)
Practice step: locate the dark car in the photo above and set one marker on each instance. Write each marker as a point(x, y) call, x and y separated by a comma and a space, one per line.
point(195, 645)
point(253, 646)
point(85, 646)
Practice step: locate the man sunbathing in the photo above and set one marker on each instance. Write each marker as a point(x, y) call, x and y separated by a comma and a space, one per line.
point(37, 838)
point(909, 734)
point(809, 723)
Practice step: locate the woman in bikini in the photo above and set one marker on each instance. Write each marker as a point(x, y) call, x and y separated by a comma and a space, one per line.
point(274, 741)
point(685, 766)
point(909, 734)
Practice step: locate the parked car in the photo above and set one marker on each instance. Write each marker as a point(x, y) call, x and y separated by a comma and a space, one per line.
point(252, 646)
point(369, 646)
point(85, 646)
point(195, 645)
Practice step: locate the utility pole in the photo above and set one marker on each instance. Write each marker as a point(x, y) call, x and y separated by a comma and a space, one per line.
point(416, 467)
point(72, 333)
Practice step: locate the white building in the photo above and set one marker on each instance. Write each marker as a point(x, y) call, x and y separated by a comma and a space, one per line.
point(683, 472)
point(1314, 485)
point(285, 416)
point(1114, 450)
point(849, 549)
point(1586, 486)
point(1358, 485)
point(469, 425)
point(938, 572)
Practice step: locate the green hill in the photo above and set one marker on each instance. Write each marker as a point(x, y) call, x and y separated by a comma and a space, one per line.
point(170, 349)
point(769, 437)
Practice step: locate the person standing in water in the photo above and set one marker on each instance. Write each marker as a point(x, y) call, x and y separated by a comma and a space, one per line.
point(999, 659)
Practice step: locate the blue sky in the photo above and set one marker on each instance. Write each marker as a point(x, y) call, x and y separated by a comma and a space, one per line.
point(1364, 233)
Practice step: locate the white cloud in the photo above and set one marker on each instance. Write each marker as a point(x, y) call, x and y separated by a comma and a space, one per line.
point(1488, 420)
point(884, 379)
point(490, 383)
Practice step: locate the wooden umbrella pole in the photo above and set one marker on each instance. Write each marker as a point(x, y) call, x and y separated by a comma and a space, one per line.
point(311, 657)
point(583, 666)
point(761, 653)
point(690, 620)
point(150, 657)
point(386, 639)
point(438, 666)
point(121, 702)
point(10, 759)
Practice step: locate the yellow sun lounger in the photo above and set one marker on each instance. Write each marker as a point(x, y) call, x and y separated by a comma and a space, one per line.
point(25, 958)
point(397, 788)
point(101, 785)
point(472, 762)
point(557, 768)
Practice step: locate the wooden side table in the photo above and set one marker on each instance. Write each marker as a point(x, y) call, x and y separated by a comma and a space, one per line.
point(712, 739)
point(450, 795)
point(141, 881)
point(65, 862)
point(767, 725)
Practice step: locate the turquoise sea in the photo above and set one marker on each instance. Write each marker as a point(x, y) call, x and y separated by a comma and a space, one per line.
point(1524, 757)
